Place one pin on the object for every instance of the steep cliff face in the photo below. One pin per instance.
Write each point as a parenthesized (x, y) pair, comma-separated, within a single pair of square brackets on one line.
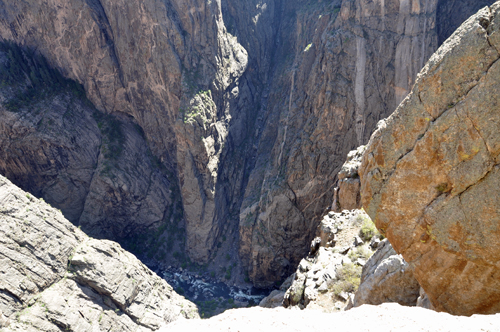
[(96, 168), (430, 174), (343, 66), (153, 61), (245, 111)]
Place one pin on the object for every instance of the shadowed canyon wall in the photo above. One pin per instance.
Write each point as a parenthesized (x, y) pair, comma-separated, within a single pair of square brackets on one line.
[(235, 115)]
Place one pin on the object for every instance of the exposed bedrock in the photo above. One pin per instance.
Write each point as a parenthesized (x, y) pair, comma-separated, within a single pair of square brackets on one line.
[(54, 277), (430, 175), (343, 66), (169, 66), (245, 112)]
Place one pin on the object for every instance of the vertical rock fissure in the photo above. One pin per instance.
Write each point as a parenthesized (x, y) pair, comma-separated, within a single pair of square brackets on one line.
[(287, 117), (100, 17), (359, 88)]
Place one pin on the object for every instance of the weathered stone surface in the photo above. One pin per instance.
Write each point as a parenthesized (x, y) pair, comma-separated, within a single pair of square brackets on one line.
[(386, 277), (174, 69), (326, 279), (273, 300), (349, 195), (386, 317), (55, 277), (430, 175), (58, 148)]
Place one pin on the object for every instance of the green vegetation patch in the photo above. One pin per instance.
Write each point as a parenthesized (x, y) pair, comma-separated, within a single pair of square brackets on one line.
[(349, 276), (368, 229), (360, 252)]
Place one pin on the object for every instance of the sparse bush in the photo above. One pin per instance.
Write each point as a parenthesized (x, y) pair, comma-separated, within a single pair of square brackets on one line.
[(349, 276), (360, 252), (368, 229)]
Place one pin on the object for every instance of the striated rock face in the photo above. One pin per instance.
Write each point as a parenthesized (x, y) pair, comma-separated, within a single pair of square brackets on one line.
[(173, 68), (347, 65), (96, 168), (386, 277), (56, 150), (55, 277), (430, 174)]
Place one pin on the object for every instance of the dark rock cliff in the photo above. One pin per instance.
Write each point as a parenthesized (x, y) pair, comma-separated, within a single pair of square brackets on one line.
[(235, 115)]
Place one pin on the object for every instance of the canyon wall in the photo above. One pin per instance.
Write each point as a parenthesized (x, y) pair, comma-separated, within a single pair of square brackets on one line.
[(235, 115), (342, 66), (168, 67)]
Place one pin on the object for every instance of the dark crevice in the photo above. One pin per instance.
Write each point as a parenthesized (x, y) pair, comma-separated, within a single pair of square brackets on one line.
[(11, 295), (100, 17)]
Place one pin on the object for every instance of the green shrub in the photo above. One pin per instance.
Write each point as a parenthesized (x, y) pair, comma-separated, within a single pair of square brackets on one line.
[(360, 252), (368, 229), (349, 276)]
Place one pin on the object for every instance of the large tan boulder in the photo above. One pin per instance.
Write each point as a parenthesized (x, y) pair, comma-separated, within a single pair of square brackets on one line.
[(430, 176)]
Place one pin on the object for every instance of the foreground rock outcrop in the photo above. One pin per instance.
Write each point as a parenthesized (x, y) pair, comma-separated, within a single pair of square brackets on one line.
[(55, 277), (386, 277), (430, 175), (386, 317)]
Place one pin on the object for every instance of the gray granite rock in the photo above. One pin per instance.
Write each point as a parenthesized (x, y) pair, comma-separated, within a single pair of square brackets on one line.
[(56, 277)]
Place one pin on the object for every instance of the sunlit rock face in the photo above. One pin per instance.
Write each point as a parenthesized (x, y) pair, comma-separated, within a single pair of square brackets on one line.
[(430, 175), (53, 275)]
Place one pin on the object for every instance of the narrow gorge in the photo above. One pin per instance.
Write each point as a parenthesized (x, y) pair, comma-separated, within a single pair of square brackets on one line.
[(207, 134)]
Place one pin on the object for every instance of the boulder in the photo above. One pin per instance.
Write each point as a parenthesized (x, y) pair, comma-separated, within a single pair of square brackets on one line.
[(273, 300), (430, 175), (386, 277)]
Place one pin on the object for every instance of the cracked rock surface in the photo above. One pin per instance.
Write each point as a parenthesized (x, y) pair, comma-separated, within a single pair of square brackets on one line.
[(386, 277), (53, 277), (430, 177)]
